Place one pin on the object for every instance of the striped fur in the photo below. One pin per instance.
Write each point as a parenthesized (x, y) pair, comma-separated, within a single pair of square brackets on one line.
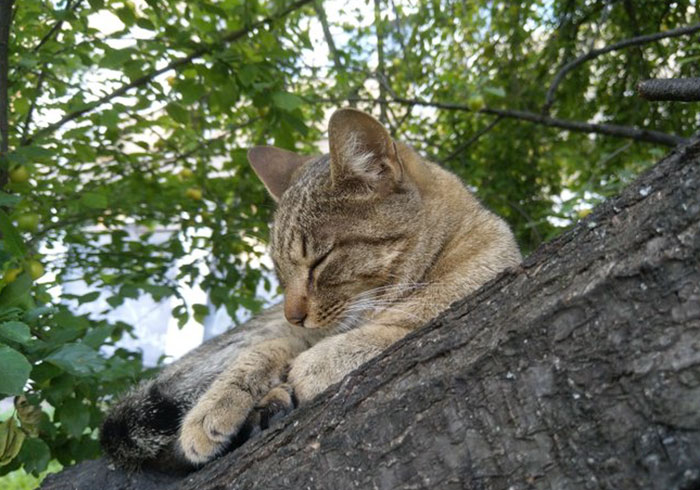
[(369, 242)]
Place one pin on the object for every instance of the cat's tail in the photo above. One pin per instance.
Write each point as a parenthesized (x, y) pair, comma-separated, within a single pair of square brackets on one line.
[(141, 430)]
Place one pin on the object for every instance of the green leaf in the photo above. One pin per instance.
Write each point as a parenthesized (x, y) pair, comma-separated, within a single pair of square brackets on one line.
[(21, 105), (60, 388), (180, 312), (74, 416), (96, 336), (44, 371), (34, 314), (146, 24), (93, 200), (286, 101), (247, 75), (15, 371), (10, 313), (13, 242), (35, 455), (15, 331), (115, 300), (17, 292), (89, 297), (190, 90), (200, 312), (110, 119), (8, 199), (126, 15), (158, 292), (13, 438), (77, 359), (85, 448), (115, 58), (177, 112), (495, 91), (31, 154), (135, 68)]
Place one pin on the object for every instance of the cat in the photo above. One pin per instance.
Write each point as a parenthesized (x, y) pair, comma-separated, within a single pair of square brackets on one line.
[(369, 243)]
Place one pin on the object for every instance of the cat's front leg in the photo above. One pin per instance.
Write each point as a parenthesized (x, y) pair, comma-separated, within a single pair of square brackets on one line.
[(330, 360), (222, 410), (324, 364)]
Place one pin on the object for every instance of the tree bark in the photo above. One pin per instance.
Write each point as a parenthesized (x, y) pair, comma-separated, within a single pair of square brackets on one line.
[(676, 89), (5, 24), (579, 370)]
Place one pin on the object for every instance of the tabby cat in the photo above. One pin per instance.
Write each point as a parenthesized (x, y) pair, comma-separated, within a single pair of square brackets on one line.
[(369, 243)]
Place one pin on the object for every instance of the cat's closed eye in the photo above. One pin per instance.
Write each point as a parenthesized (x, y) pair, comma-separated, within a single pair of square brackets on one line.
[(316, 263)]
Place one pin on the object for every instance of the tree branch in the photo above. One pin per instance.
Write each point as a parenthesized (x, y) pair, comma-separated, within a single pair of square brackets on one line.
[(527, 366), (677, 89), (380, 59), (56, 27), (594, 53), (321, 14), (149, 77), (618, 131), (5, 22)]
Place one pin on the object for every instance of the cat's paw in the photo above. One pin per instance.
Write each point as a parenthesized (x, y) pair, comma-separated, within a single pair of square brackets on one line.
[(278, 402), (213, 424), (313, 371)]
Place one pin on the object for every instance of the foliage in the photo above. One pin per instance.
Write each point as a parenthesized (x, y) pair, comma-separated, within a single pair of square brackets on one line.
[(99, 147), (20, 480)]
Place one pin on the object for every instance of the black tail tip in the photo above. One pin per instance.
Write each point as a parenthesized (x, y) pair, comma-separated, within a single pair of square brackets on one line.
[(141, 429)]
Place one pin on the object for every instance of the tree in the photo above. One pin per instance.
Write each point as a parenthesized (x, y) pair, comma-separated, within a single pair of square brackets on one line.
[(580, 368), (119, 114)]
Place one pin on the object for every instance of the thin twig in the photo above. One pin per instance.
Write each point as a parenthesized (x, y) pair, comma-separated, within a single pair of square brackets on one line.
[(677, 89), (532, 224), (32, 107), (628, 132), (594, 53), (385, 87), (57, 26), (472, 139), (407, 60), (380, 59), (149, 77), (207, 142), (321, 14), (602, 163)]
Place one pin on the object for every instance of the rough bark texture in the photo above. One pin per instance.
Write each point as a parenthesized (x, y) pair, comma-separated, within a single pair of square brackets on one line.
[(579, 370), (678, 89)]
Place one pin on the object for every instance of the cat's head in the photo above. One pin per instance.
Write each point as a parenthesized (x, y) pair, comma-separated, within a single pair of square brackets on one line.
[(345, 223)]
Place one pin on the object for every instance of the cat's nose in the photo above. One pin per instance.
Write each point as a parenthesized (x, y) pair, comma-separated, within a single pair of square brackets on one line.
[(297, 320), (295, 310)]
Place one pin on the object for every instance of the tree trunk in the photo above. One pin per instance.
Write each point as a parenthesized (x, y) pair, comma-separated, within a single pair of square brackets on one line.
[(579, 370)]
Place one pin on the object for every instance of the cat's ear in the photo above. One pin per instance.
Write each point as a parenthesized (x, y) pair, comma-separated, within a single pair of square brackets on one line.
[(361, 148), (275, 167)]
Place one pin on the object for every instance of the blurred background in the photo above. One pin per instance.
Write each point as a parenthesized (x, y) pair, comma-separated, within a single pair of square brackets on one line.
[(133, 228)]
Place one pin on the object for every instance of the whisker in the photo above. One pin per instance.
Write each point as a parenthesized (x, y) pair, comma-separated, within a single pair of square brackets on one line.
[(389, 297)]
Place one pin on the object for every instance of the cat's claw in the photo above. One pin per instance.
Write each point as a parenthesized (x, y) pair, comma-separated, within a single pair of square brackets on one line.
[(278, 402)]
